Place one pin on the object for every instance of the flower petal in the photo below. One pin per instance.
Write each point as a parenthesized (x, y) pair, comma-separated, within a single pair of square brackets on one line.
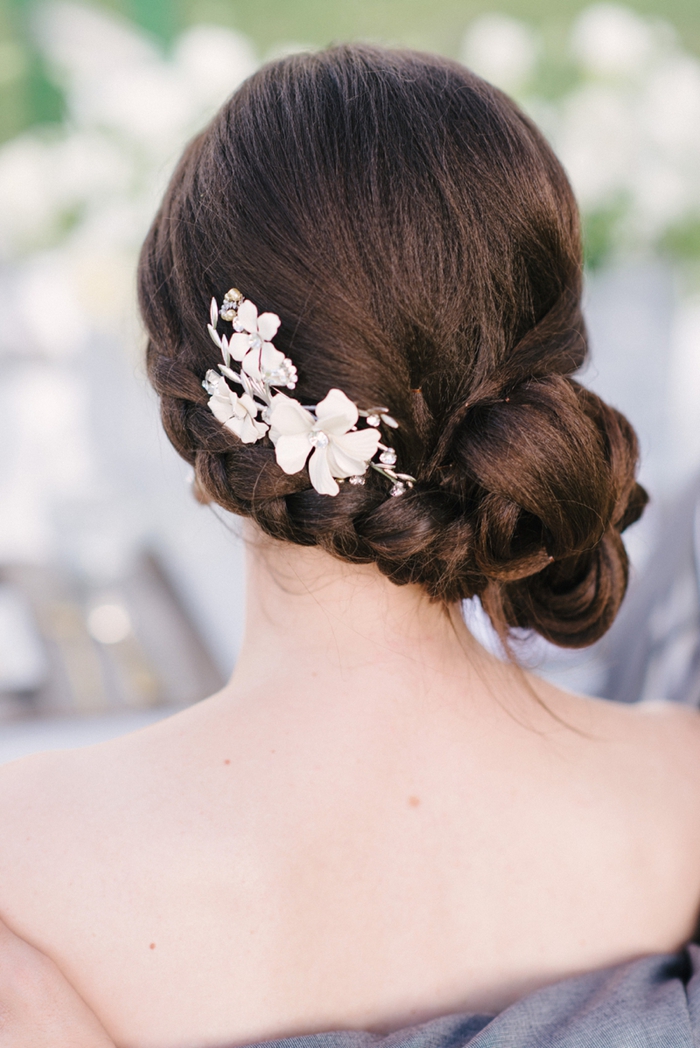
[(221, 407), (360, 446), (270, 357), (262, 362), (247, 402), (239, 344), (247, 429), (342, 465), (288, 418), (292, 452), (233, 375), (214, 312), (234, 424), (249, 433), (247, 316), (268, 326), (335, 425), (336, 404), (320, 474), (251, 363), (214, 335)]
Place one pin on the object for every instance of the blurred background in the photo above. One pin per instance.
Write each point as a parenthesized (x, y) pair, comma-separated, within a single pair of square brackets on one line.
[(120, 597)]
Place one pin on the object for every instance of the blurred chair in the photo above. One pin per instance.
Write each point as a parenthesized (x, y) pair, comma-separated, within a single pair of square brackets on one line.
[(71, 648)]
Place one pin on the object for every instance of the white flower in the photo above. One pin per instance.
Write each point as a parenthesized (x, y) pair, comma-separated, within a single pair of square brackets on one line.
[(251, 341), (611, 40), (236, 413), (502, 49), (336, 449)]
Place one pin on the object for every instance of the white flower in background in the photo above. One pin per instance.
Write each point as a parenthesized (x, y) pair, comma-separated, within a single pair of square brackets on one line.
[(612, 40), (597, 139), (628, 131), (337, 449), (109, 69), (237, 413), (670, 108), (84, 42), (501, 49), (29, 206), (214, 61)]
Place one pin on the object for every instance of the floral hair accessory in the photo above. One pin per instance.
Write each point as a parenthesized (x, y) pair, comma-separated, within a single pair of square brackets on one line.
[(324, 434)]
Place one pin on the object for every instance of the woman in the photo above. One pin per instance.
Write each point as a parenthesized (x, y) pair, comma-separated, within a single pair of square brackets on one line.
[(375, 823)]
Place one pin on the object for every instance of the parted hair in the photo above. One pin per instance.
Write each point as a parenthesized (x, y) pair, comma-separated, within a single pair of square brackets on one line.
[(421, 244)]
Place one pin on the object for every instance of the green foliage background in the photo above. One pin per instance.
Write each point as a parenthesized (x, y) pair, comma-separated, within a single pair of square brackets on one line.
[(27, 96)]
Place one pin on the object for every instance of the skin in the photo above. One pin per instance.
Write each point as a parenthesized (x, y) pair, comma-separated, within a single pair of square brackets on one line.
[(374, 822), (38, 1006)]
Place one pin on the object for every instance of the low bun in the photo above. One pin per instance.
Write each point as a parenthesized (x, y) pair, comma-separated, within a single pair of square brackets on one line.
[(421, 245), (558, 480)]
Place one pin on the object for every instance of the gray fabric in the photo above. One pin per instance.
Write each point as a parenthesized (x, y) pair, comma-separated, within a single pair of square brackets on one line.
[(650, 1003)]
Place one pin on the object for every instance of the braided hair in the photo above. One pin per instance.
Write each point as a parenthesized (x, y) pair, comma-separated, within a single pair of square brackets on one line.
[(421, 244)]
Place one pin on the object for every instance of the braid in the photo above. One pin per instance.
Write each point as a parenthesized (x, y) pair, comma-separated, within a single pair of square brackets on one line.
[(420, 243)]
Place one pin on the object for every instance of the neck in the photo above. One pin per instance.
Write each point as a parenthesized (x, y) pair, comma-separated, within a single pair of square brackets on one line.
[(309, 613)]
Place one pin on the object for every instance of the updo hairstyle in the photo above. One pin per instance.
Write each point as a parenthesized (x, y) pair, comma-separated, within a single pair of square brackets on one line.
[(421, 244)]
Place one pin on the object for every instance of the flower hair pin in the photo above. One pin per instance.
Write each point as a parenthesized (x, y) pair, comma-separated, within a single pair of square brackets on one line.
[(324, 434)]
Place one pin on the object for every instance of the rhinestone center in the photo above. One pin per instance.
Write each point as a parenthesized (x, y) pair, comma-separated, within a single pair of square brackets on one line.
[(318, 439)]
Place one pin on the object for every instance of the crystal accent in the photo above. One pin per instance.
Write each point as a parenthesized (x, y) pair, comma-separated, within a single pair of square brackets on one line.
[(284, 375), (211, 382), (318, 439), (373, 420), (356, 480), (388, 457), (398, 488), (255, 342)]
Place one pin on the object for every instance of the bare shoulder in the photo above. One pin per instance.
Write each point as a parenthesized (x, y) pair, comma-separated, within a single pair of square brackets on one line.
[(667, 729), (30, 787), (60, 808), (652, 753), (670, 730), (34, 790), (646, 755), (40, 796), (57, 811)]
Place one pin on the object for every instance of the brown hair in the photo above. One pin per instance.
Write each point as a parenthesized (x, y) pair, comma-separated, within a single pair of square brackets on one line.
[(421, 244)]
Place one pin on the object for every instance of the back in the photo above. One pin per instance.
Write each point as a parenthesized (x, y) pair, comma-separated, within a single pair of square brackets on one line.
[(229, 875)]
